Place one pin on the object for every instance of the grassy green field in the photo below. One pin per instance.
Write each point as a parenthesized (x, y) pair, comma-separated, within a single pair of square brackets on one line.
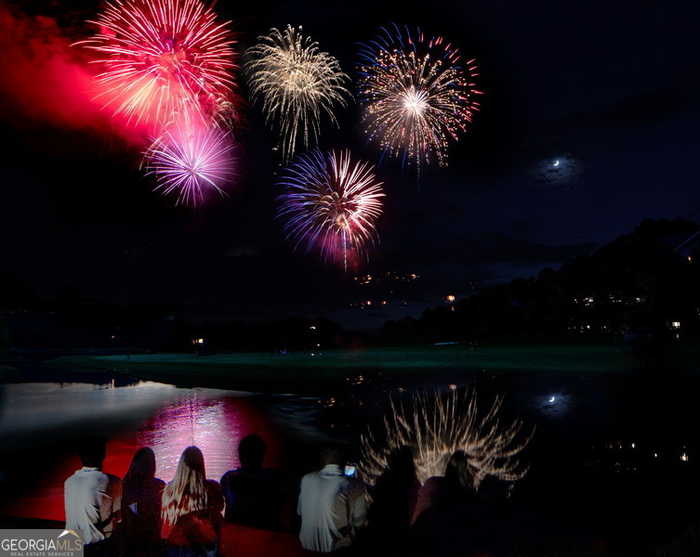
[(277, 371)]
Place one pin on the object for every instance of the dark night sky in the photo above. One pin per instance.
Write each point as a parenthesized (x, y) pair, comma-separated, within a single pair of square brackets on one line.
[(612, 85)]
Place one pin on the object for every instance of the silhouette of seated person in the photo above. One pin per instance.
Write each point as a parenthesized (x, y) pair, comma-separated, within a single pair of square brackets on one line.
[(455, 485), (93, 500), (191, 509), (394, 498), (331, 505), (142, 493), (451, 518), (253, 494)]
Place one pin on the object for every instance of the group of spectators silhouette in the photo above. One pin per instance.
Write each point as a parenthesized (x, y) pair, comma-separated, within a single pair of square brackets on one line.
[(142, 516)]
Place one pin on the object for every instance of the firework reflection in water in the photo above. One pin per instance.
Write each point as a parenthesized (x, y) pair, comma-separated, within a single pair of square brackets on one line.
[(435, 425)]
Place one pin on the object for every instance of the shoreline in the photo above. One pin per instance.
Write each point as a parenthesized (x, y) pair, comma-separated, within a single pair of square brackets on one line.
[(302, 373)]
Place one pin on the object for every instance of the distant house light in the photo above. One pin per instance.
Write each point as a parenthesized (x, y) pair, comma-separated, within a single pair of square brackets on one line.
[(675, 324), (450, 298)]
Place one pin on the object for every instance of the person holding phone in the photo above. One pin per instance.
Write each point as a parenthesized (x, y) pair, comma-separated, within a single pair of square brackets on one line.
[(332, 506)]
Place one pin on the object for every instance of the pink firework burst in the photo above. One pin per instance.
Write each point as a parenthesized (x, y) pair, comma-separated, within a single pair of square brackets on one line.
[(164, 59), (190, 163), (331, 203)]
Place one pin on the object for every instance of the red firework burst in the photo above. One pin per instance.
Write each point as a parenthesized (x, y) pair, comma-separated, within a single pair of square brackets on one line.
[(164, 59)]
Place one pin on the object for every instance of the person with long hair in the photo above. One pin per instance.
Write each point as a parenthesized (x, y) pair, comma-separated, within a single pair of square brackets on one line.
[(191, 509), (394, 498), (456, 484), (142, 493)]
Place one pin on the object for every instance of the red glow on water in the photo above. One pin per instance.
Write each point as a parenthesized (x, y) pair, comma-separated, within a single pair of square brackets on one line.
[(215, 425)]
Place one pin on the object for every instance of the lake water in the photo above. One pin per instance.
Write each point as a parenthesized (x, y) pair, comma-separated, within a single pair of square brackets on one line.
[(51, 419), (609, 451)]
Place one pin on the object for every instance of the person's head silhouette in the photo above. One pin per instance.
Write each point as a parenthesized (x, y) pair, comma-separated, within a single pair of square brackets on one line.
[(251, 452), (400, 463), (92, 453), (458, 474), (333, 454), (143, 465)]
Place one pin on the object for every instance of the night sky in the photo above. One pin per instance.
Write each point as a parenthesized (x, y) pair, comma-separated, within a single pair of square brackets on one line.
[(609, 87)]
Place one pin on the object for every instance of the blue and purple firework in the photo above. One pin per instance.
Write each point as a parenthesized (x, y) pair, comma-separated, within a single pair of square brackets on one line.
[(331, 204)]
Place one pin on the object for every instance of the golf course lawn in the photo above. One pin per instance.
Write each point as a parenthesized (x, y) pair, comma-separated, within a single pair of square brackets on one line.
[(303, 369)]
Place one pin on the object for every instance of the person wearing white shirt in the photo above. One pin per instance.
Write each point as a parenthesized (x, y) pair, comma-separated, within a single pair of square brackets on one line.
[(331, 505), (92, 501)]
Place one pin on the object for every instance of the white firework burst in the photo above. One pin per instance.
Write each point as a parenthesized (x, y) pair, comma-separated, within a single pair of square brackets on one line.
[(296, 83)]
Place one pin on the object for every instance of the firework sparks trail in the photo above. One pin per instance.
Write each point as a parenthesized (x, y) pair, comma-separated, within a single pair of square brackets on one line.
[(331, 204), (437, 425), (163, 59), (416, 95), (191, 162), (296, 83)]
